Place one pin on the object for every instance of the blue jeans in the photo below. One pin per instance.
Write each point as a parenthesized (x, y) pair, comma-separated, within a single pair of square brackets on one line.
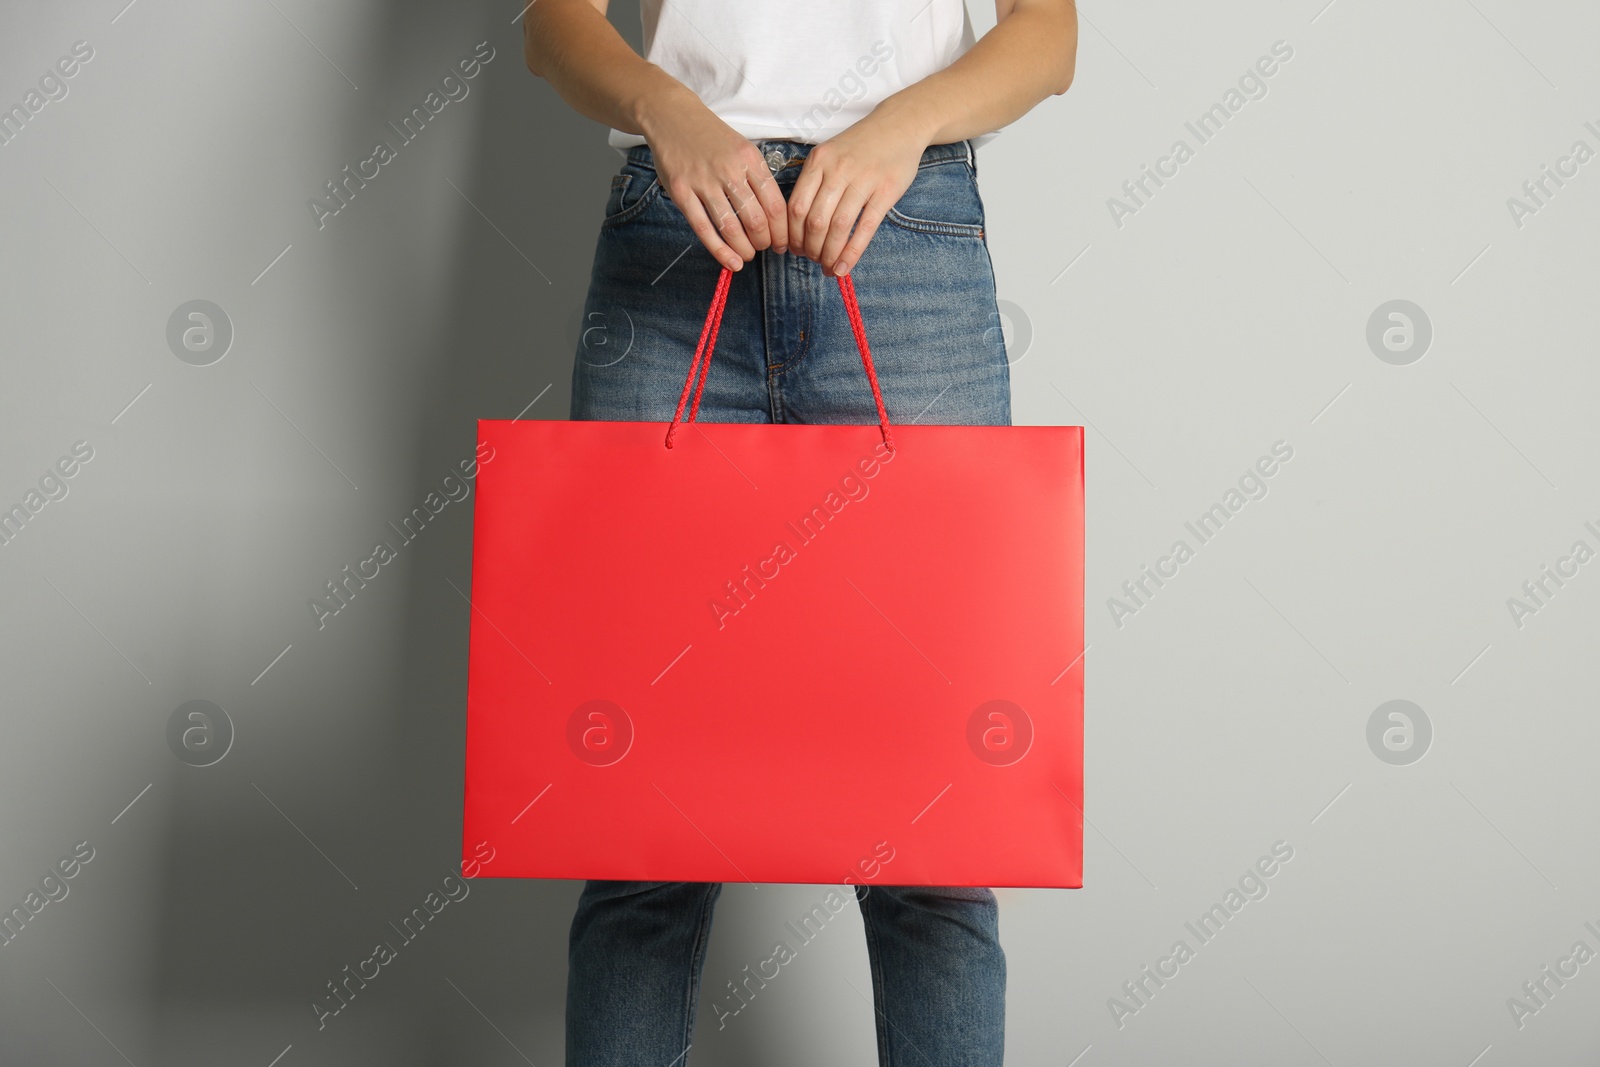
[(786, 354)]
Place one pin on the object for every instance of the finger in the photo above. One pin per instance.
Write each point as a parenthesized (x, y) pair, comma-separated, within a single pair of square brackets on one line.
[(728, 225), (700, 223), (820, 216), (800, 197), (776, 208), (872, 215), (844, 217), (751, 214)]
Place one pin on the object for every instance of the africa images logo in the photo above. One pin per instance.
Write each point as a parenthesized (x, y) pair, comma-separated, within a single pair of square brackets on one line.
[(599, 732), (452, 89)]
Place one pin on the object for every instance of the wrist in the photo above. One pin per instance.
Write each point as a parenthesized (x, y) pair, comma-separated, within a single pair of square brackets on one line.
[(906, 118), (657, 103)]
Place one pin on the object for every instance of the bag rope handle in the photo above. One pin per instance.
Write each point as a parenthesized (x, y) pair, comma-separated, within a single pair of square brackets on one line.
[(700, 366)]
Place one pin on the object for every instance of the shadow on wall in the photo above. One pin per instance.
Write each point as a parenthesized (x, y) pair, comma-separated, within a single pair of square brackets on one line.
[(254, 928)]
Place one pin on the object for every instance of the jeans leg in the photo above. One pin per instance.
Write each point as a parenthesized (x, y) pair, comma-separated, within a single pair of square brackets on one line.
[(938, 975), (633, 977)]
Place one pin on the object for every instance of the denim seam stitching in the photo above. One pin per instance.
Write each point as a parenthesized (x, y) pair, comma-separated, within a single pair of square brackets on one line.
[(947, 229), (775, 407), (874, 953), (807, 334), (696, 964)]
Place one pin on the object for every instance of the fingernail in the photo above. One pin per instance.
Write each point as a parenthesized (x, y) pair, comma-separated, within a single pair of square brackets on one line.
[(844, 268), (781, 249)]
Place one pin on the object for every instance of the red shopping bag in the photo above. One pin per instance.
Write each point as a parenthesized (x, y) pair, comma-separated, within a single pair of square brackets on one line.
[(778, 653)]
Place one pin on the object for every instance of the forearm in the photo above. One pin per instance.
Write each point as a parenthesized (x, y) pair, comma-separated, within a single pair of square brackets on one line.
[(570, 44), (1029, 55)]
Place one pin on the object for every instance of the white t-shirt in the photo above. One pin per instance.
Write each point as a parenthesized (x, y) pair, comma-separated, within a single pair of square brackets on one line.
[(779, 70)]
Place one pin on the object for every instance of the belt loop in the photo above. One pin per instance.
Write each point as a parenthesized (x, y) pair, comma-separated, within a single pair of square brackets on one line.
[(972, 159)]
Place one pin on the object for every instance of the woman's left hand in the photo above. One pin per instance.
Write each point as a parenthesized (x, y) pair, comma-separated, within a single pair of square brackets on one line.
[(852, 179)]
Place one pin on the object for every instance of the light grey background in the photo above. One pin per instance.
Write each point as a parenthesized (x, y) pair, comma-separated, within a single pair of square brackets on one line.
[(1230, 312)]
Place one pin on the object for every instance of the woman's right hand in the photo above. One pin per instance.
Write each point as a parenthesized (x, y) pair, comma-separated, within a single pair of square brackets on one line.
[(718, 179)]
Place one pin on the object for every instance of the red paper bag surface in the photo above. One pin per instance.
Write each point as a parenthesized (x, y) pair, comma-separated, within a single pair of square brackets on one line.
[(778, 653)]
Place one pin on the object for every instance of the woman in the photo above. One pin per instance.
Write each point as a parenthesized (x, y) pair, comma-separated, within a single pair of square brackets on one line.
[(792, 144)]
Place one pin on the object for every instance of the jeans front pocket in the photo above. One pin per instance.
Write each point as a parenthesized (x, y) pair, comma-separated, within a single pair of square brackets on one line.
[(942, 199), (633, 190)]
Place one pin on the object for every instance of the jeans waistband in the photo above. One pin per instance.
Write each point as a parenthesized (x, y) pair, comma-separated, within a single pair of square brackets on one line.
[(781, 154)]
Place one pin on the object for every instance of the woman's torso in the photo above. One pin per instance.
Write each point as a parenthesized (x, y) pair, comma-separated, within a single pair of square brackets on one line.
[(776, 70)]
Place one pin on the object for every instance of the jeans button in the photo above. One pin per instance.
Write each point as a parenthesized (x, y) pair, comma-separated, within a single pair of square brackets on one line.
[(774, 160)]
